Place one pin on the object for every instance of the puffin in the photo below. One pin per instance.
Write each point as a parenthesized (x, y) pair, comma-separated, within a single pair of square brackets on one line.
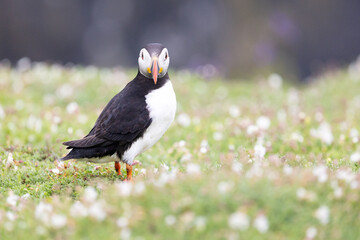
[(134, 119)]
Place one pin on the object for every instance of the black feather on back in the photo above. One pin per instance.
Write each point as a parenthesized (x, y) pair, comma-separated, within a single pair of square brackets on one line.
[(124, 119)]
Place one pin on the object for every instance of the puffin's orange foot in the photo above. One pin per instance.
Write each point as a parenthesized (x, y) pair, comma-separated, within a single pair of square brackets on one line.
[(118, 168), (129, 172)]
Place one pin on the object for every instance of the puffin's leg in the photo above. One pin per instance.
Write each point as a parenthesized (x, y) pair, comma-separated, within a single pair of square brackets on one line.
[(128, 172), (118, 168)]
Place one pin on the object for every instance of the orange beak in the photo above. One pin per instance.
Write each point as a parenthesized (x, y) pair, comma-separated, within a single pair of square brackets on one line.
[(155, 70)]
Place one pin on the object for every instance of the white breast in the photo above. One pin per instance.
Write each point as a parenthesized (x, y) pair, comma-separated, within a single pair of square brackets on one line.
[(161, 104)]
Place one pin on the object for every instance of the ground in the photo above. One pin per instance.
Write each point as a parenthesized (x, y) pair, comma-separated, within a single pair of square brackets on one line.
[(249, 159)]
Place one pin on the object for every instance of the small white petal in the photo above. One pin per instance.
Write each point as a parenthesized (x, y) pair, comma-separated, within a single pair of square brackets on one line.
[(263, 122), (239, 221), (58, 221), (170, 220), (323, 214), (311, 232), (355, 157), (122, 222)]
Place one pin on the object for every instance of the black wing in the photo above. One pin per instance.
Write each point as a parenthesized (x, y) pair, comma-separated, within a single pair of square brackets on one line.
[(124, 119)]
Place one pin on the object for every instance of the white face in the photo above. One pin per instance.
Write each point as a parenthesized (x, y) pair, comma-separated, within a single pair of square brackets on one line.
[(146, 63)]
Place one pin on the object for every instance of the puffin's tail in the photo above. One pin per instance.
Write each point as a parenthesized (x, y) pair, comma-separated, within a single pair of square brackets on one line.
[(89, 147)]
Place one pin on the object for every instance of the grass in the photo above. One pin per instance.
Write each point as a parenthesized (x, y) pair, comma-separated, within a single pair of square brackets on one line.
[(258, 159)]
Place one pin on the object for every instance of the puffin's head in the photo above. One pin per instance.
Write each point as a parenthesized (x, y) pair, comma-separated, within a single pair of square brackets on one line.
[(154, 61)]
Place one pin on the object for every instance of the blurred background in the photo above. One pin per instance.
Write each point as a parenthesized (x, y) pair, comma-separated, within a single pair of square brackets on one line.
[(237, 39)]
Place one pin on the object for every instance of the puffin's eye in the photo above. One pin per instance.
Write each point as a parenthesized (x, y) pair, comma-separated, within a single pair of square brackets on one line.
[(166, 55), (142, 56)]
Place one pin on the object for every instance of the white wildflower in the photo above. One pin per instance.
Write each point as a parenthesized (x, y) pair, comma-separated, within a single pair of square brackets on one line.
[(43, 212), (124, 188), (275, 81), (259, 151), (170, 220), (9, 226), (164, 166), (203, 150), (96, 211), (186, 157), (204, 143), (239, 221), (236, 167), (225, 186), (323, 133), (166, 177), (354, 184), (12, 199), (122, 222), (65, 91), (281, 115), (72, 108), (302, 116), (354, 133), (293, 97), (338, 192), (204, 146), (139, 188), (2, 113), (296, 136), (56, 120), (193, 168), (41, 230), (23, 64), (234, 111), (200, 223), (252, 129), (181, 143), (261, 223), (323, 214), (311, 233), (256, 170), (184, 120), (345, 175), (10, 160), (26, 196), (263, 122), (288, 170), (34, 123), (218, 136), (78, 210), (55, 170), (61, 164), (11, 216), (82, 118), (125, 233), (355, 157), (90, 194), (321, 173), (58, 220), (301, 193)]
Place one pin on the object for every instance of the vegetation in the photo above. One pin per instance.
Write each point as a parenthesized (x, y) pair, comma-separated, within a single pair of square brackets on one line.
[(243, 160)]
